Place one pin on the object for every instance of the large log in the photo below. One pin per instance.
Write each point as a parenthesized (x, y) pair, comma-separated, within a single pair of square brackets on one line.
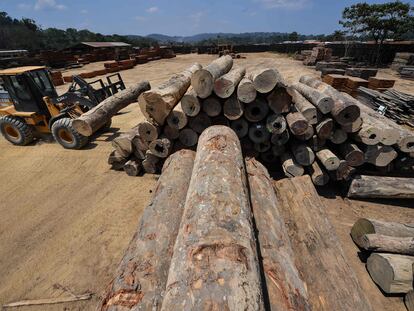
[(276, 124), (256, 111), (381, 187), (157, 103), (240, 127), (94, 119), (147, 131), (225, 85), (387, 244), (303, 154), (190, 103), (353, 127), (307, 135), (265, 79), (338, 136), (141, 277), (297, 123), (246, 92), (304, 106), (364, 226), (177, 119), (352, 154), (202, 80), (170, 132), (379, 155), (233, 108), (318, 249), (392, 272), (323, 102), (328, 159), (188, 137), (212, 106), (285, 288), (214, 256), (200, 122), (279, 100), (290, 167)]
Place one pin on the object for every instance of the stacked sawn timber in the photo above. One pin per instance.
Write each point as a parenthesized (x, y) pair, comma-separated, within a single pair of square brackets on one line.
[(391, 262), (217, 239)]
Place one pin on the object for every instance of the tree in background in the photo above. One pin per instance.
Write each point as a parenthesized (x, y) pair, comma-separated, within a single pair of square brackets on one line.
[(294, 36), (379, 21)]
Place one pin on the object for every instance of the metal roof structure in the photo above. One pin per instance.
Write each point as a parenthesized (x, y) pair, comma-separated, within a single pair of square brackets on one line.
[(106, 44)]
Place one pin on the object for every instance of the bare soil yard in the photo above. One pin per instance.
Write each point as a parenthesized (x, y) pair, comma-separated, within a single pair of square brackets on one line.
[(66, 219)]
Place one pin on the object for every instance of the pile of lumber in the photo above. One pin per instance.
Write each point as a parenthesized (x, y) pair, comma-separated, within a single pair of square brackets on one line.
[(318, 53), (337, 81), (395, 105), (406, 72), (380, 84), (391, 260), (402, 60), (305, 128), (230, 239), (353, 83), (303, 55), (363, 73), (350, 84)]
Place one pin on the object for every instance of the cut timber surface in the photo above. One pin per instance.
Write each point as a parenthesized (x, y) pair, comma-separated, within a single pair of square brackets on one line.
[(324, 128), (381, 187), (323, 102), (203, 80), (161, 147), (225, 85), (330, 281), (190, 103), (200, 122), (265, 79), (304, 106), (379, 155), (328, 159), (285, 288), (147, 131), (188, 137), (276, 124), (246, 92), (141, 277), (279, 100), (392, 272), (240, 127), (297, 123), (290, 167), (94, 119), (352, 154), (365, 226), (177, 119), (338, 136), (157, 103), (233, 108), (303, 154), (319, 176), (212, 106), (214, 256)]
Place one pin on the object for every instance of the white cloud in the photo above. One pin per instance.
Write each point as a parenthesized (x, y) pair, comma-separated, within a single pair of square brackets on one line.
[(152, 9), (284, 4), (24, 6), (48, 4), (84, 11), (140, 18)]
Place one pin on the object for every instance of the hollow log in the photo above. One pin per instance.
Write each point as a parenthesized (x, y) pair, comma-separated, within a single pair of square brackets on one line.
[(151, 163), (215, 256), (279, 100), (258, 133), (381, 187), (225, 85), (352, 154), (240, 127), (190, 103), (157, 103), (211, 106), (409, 300), (233, 108), (286, 290), (353, 127), (280, 139), (318, 249), (133, 167), (147, 131), (368, 134), (246, 92), (203, 79), (304, 106), (276, 124), (290, 167), (141, 277), (256, 111), (392, 272), (161, 147), (297, 123), (387, 244), (323, 102), (177, 119), (324, 128), (379, 155), (343, 172), (94, 119), (188, 137), (265, 79), (338, 136), (318, 175), (200, 122), (303, 154), (328, 159)]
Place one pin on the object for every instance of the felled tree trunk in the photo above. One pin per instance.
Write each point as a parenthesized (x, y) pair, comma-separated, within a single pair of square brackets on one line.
[(225, 85), (157, 104), (323, 102), (285, 288), (215, 253), (265, 79), (94, 119), (364, 226), (141, 277), (389, 244), (317, 249), (246, 92), (304, 106)]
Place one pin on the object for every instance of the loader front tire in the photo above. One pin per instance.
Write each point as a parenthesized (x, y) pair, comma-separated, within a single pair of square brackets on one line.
[(66, 135), (16, 130)]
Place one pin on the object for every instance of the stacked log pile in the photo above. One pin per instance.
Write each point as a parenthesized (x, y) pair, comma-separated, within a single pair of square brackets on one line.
[(391, 260), (318, 53), (402, 60)]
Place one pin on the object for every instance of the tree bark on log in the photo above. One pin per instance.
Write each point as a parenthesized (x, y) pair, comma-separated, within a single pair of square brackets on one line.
[(147, 131), (246, 92), (188, 137), (409, 300), (211, 106), (233, 108), (141, 277), (285, 288), (393, 273), (303, 154), (352, 154), (177, 119), (297, 123), (256, 111), (276, 124), (381, 187), (157, 103), (215, 256), (328, 159), (290, 167), (203, 80), (190, 103), (324, 128), (323, 102), (133, 167), (387, 244), (317, 249), (279, 100), (240, 127), (319, 176), (94, 119), (225, 85), (265, 79), (200, 122), (304, 106), (364, 226)]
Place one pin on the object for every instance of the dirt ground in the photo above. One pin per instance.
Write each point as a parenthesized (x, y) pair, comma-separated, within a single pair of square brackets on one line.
[(66, 219)]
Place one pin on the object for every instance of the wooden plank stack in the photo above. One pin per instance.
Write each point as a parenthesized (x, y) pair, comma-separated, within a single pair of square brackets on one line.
[(352, 84), (380, 84), (391, 262), (305, 128), (318, 53), (363, 73), (337, 81)]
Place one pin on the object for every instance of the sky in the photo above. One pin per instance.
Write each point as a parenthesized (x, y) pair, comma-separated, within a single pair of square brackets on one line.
[(184, 17)]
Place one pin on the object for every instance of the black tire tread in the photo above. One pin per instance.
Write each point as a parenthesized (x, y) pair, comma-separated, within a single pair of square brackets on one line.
[(25, 130), (81, 140)]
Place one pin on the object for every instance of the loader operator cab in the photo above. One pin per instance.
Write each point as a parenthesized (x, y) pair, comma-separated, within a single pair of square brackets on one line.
[(34, 106)]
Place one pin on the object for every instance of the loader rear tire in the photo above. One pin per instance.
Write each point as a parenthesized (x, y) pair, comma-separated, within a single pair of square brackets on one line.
[(16, 130), (66, 135)]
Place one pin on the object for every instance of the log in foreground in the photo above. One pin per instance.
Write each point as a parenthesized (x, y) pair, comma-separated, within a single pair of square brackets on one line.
[(142, 274), (285, 288), (317, 249), (364, 226), (392, 272), (190, 104), (157, 104), (381, 187), (388, 244), (265, 79), (215, 252), (319, 176), (94, 119), (225, 85), (246, 92), (304, 106), (203, 80)]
